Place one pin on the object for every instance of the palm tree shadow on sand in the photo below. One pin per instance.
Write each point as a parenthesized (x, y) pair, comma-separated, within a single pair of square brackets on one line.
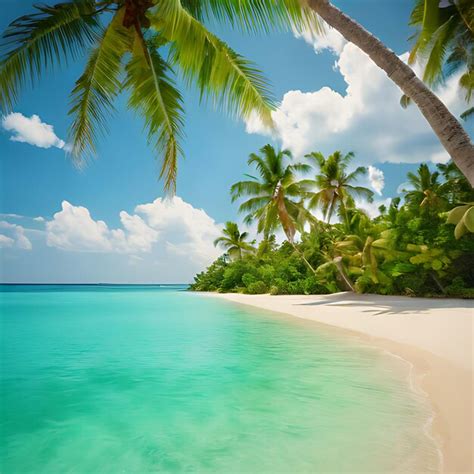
[(381, 304)]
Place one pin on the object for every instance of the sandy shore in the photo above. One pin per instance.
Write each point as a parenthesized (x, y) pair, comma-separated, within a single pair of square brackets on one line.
[(435, 335)]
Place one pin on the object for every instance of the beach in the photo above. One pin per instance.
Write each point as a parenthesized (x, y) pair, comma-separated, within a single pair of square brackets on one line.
[(435, 336)]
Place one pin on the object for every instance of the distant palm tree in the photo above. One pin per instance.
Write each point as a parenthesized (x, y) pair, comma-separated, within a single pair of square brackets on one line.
[(333, 185), (127, 51), (233, 241), (275, 196), (426, 190), (456, 187), (444, 41)]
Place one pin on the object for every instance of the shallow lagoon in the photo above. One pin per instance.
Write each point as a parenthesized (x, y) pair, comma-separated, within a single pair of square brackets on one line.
[(140, 379)]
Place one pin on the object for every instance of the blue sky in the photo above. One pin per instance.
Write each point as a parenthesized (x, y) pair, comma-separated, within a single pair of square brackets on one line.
[(35, 181)]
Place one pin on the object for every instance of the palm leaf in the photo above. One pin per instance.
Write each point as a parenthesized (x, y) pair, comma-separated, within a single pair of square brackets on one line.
[(438, 48), (35, 42), (97, 87), (153, 94), (229, 80), (245, 188), (256, 15), (426, 15)]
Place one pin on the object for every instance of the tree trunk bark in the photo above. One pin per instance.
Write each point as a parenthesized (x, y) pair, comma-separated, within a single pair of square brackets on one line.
[(438, 283), (346, 280), (298, 251), (449, 131)]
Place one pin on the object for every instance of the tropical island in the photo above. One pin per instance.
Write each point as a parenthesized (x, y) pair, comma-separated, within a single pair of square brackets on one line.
[(329, 327), (422, 246)]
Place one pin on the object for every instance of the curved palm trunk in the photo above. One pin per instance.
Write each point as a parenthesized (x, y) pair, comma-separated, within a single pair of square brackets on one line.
[(342, 273), (288, 226), (301, 254), (449, 131)]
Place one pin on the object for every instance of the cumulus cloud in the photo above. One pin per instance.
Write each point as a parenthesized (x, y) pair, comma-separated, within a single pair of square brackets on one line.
[(372, 208), (171, 224), (376, 179), (185, 229), (366, 118), (331, 39), (6, 241), (73, 228), (13, 235), (31, 130)]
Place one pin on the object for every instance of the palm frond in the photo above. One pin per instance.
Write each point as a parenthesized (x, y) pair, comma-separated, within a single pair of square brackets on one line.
[(256, 15), (358, 172), (222, 75), (253, 204), (245, 188), (438, 48), (153, 94), (94, 92), (37, 41), (426, 16), (466, 81), (467, 113)]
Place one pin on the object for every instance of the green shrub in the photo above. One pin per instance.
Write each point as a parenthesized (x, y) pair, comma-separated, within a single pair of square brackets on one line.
[(257, 288), (248, 279)]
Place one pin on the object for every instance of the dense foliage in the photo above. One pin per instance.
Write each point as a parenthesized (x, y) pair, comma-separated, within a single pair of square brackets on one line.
[(139, 46), (409, 249)]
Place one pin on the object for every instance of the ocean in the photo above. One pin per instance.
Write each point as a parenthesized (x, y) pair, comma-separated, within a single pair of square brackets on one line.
[(108, 379)]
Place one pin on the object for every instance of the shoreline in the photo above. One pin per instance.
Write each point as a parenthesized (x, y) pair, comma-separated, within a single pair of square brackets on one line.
[(434, 337)]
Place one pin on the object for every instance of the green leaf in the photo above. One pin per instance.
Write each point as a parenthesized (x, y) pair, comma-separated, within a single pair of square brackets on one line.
[(437, 264), (460, 230), (468, 219), (456, 214), (229, 80), (257, 15), (37, 41), (153, 95), (405, 101), (92, 97)]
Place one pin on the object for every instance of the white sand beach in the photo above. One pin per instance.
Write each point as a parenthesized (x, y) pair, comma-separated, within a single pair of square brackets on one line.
[(435, 335)]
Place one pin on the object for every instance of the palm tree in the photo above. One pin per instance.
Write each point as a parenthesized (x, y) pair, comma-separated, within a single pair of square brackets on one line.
[(445, 42), (449, 131), (126, 41), (233, 241), (333, 260), (333, 184), (456, 187), (427, 191), (275, 196)]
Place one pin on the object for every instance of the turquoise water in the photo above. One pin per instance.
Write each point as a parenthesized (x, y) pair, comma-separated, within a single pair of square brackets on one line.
[(146, 379)]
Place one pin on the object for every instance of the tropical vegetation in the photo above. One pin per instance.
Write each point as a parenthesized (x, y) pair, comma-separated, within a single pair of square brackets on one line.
[(138, 45), (444, 43), (421, 243), (233, 241)]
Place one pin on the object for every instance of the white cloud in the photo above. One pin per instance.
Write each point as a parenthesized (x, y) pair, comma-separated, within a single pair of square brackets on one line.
[(31, 130), (38, 219), (186, 231), (372, 208), (367, 118), (331, 40), (16, 236), (6, 241), (171, 224), (73, 228), (376, 178)]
